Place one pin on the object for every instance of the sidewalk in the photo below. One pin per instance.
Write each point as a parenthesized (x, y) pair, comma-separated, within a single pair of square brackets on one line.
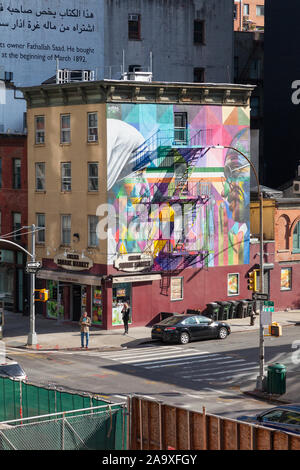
[(53, 334)]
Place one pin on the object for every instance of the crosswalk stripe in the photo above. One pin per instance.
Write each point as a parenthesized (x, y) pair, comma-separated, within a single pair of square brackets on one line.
[(220, 373), (132, 360), (140, 353), (183, 363)]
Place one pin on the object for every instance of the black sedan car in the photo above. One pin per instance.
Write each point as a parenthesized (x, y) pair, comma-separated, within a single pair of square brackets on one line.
[(185, 328), (283, 418)]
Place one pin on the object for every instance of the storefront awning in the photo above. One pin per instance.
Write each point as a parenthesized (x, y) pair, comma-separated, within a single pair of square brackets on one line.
[(136, 278), (66, 277)]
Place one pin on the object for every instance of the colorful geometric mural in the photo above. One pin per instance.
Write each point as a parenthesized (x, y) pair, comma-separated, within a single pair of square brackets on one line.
[(176, 193)]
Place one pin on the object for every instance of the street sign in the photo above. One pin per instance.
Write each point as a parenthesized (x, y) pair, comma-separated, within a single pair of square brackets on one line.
[(33, 266), (268, 306), (260, 296)]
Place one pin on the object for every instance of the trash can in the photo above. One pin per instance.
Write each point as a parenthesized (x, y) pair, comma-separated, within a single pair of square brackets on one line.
[(276, 379), (242, 309), (233, 308), (224, 310), (213, 309)]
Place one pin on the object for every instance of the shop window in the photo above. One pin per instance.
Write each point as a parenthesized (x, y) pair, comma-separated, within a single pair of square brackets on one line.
[(92, 229), (40, 176), (92, 127), (177, 288), (39, 124), (199, 32), (296, 239), (93, 177), (97, 306), (134, 27), (40, 222), (65, 128), (65, 229), (286, 279), (121, 294), (66, 177), (16, 173)]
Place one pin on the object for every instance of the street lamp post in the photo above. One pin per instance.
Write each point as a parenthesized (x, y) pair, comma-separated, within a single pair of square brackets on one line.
[(261, 376)]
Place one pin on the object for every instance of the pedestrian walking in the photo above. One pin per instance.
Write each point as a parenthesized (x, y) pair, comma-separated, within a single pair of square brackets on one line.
[(125, 317), (85, 323)]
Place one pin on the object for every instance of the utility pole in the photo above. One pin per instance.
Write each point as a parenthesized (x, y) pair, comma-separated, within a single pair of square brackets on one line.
[(32, 337)]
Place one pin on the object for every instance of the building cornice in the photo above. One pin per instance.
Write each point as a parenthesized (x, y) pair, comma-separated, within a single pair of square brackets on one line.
[(107, 91)]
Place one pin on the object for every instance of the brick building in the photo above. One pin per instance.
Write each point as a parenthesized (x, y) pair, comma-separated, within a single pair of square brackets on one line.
[(13, 215), (249, 15)]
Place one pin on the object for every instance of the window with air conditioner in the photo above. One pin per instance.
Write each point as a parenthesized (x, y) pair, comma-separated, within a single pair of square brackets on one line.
[(92, 127), (134, 27)]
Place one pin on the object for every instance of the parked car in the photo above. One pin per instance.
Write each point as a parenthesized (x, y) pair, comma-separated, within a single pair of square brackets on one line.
[(186, 328), (12, 370), (283, 418)]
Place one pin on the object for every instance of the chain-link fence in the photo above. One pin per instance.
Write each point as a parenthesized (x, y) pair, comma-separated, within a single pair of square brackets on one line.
[(97, 428)]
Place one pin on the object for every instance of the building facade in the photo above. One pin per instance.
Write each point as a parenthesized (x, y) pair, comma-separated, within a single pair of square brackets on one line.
[(139, 201), (249, 15), (13, 216)]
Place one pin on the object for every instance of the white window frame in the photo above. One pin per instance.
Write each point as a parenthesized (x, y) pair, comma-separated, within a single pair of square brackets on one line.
[(40, 176), (66, 177), (92, 179), (176, 299), (92, 130), (65, 132), (259, 9), (66, 225), (40, 234), (91, 235), (17, 225), (39, 133)]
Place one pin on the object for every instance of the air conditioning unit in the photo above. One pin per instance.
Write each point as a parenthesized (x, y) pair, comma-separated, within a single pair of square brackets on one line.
[(296, 187), (93, 138), (133, 17)]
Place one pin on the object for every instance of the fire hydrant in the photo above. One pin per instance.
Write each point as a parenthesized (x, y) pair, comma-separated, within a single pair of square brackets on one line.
[(252, 318)]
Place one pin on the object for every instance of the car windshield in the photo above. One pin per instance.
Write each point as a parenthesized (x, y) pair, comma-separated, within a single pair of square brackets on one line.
[(171, 320), (11, 370)]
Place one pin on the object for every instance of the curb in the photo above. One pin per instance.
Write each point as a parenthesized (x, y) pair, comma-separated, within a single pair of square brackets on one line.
[(266, 396)]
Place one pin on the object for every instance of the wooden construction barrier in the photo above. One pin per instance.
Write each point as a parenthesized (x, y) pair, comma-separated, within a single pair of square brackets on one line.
[(158, 426)]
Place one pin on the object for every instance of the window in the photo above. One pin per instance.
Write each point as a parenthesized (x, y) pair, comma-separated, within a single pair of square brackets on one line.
[(199, 75), (93, 176), (236, 67), (246, 9), (0, 172), (177, 288), (255, 106), (92, 127), (65, 229), (40, 222), (16, 173), (92, 230), (286, 279), (180, 127), (65, 128), (39, 129), (296, 238), (235, 12), (274, 415), (40, 176), (260, 10), (199, 27), (255, 69), (17, 225), (134, 27), (190, 321), (66, 178)]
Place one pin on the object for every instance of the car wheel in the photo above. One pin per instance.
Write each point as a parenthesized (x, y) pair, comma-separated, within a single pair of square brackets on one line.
[(222, 333), (184, 338)]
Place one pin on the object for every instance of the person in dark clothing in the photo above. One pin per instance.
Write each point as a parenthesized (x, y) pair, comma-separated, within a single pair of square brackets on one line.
[(125, 316)]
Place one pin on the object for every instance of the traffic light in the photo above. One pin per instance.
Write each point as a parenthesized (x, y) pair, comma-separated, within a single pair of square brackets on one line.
[(252, 280), (41, 295)]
